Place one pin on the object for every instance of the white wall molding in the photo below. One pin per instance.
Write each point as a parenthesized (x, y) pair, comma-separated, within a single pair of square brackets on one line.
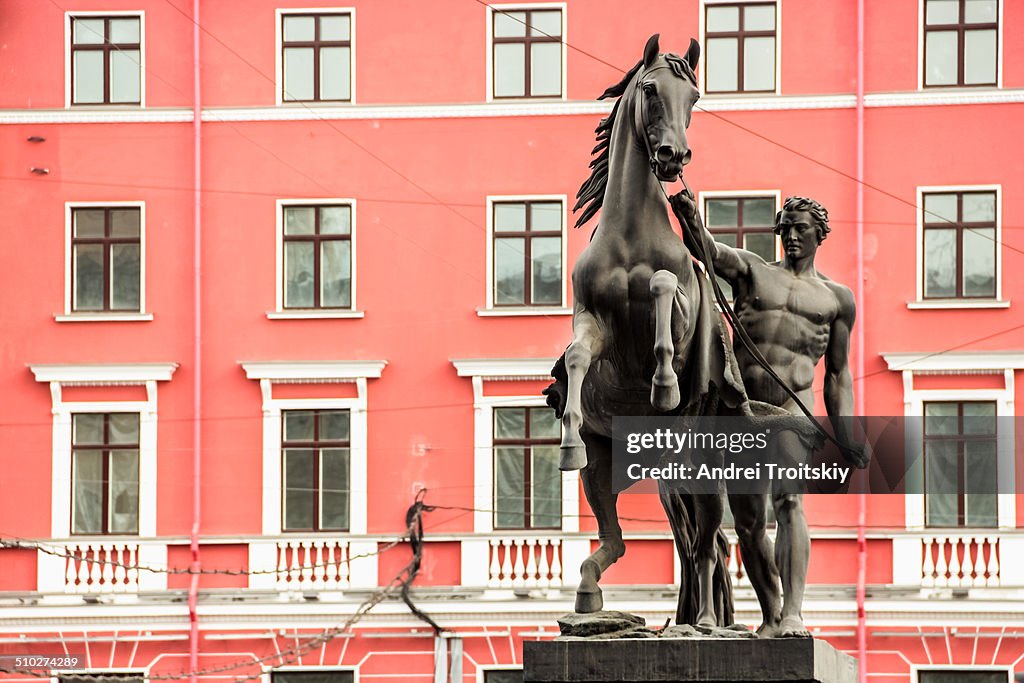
[(313, 372), (108, 114), (504, 368), (104, 374), (954, 361)]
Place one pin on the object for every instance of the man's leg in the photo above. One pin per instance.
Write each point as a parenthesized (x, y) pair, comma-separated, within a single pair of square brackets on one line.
[(749, 514), (792, 540)]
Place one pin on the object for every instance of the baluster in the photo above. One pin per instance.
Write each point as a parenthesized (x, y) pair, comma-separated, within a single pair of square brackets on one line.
[(494, 573), (95, 568), (330, 577), (108, 568), (543, 569), (993, 561), (506, 564), (530, 548), (344, 569), (132, 575), (941, 565), (955, 578), (120, 571), (282, 566), (967, 566), (307, 562), (928, 568), (320, 555), (518, 569), (294, 564), (71, 575), (556, 563)]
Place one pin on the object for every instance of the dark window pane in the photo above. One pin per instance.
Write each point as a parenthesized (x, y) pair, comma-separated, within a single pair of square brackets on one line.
[(504, 676), (299, 220), (546, 253), (939, 263), (941, 419), (334, 488), (509, 423), (124, 222), (544, 424), (335, 274), (761, 243), (89, 222), (509, 488), (87, 475), (979, 277), (123, 428), (126, 277), (961, 676), (334, 425), (546, 488), (509, 266), (88, 265), (979, 418), (124, 491), (510, 217), (87, 429), (940, 208), (979, 207), (298, 274), (298, 425), (335, 220), (758, 212), (298, 488), (545, 216), (312, 677), (722, 212)]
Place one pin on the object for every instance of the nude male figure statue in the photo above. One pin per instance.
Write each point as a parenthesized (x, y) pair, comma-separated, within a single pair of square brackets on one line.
[(795, 316)]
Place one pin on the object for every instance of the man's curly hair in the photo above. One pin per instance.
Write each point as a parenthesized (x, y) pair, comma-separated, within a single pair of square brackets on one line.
[(818, 212)]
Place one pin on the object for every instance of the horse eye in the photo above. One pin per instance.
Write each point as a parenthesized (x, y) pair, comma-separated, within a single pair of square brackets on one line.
[(649, 88)]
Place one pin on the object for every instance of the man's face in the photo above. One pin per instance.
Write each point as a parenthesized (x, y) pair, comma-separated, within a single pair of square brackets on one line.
[(799, 234)]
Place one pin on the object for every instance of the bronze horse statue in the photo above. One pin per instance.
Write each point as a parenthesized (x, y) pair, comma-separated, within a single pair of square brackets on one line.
[(647, 340)]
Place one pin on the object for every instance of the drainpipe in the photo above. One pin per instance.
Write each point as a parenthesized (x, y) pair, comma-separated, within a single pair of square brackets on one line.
[(197, 391), (862, 501)]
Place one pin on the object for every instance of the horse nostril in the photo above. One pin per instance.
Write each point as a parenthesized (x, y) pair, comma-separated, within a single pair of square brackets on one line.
[(665, 154), (685, 159)]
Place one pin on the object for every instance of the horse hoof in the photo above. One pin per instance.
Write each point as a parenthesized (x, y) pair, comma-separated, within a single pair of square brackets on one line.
[(665, 398), (587, 603), (572, 458)]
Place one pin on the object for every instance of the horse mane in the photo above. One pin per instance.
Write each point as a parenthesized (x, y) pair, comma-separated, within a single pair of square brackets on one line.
[(590, 197)]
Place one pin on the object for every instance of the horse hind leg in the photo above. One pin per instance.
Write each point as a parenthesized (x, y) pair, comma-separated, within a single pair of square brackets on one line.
[(597, 484), (578, 357), (664, 384)]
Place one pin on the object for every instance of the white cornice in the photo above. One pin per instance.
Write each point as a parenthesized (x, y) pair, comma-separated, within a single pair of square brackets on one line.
[(951, 361), (406, 111), (339, 370), (104, 373), (932, 98), (775, 102), (96, 115), (504, 368)]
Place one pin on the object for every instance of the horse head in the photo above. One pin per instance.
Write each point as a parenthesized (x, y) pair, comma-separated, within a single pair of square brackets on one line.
[(664, 97)]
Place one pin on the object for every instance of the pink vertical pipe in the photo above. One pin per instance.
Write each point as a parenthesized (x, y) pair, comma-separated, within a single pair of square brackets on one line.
[(197, 390), (862, 502)]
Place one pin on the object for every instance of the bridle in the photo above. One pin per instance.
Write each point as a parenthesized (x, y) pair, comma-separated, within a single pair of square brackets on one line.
[(652, 160)]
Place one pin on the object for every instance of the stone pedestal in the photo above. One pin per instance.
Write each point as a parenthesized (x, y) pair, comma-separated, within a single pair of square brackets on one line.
[(686, 660)]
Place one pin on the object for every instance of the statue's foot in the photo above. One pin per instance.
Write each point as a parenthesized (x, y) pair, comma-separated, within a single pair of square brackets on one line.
[(665, 397), (793, 627), (706, 623), (769, 630), (587, 603), (572, 457)]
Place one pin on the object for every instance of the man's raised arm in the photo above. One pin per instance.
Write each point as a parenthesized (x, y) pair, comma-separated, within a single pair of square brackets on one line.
[(729, 262)]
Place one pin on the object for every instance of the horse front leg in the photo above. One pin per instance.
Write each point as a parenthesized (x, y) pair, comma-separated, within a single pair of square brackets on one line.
[(597, 484), (586, 343), (708, 509), (664, 384)]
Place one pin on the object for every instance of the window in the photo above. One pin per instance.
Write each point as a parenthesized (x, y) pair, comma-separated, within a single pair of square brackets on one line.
[(315, 465), (106, 60), (959, 234), (503, 676), (527, 481), (317, 255), (961, 42), (316, 57), (527, 253), (744, 222), (105, 473), (106, 259), (527, 52), (108, 677), (741, 41), (312, 677), (978, 675), (960, 463)]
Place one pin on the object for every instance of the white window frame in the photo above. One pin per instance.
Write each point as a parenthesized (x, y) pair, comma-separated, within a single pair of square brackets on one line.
[(496, 370), (71, 315), (703, 62), (282, 313), (482, 669), (490, 310), (703, 196), (958, 363), (139, 374), (916, 668), (920, 302), (921, 56), (279, 14), (268, 677), (563, 8), (68, 85), (270, 373)]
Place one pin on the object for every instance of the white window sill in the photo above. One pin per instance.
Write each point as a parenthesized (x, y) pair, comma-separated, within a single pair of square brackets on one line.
[(103, 317), (522, 311), (932, 304), (313, 315)]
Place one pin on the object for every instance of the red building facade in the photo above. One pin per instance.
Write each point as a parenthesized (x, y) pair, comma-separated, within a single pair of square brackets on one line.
[(243, 342)]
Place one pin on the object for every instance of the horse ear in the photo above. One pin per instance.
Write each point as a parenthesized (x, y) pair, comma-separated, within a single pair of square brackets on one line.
[(651, 51), (693, 54)]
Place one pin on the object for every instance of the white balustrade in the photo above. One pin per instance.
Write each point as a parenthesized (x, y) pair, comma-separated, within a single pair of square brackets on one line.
[(306, 564), (959, 560), (101, 567), (534, 562)]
